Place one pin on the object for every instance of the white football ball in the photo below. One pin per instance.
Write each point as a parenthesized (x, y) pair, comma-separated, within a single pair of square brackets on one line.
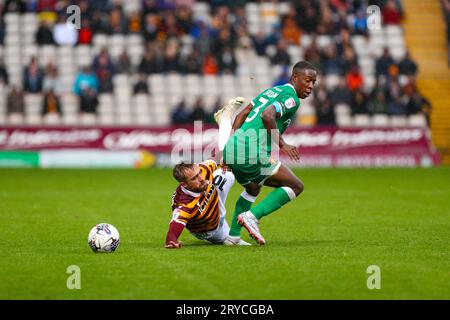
[(104, 237)]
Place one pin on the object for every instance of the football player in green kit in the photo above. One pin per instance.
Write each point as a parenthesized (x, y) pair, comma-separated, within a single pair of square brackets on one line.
[(248, 151)]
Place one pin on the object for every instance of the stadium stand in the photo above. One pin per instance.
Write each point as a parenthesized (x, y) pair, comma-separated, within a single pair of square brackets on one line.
[(141, 58)]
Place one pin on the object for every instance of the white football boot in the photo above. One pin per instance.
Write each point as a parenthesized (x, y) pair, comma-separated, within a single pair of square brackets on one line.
[(227, 110), (235, 241), (251, 223)]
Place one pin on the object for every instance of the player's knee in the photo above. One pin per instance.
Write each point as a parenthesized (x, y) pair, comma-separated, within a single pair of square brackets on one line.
[(298, 187), (253, 189)]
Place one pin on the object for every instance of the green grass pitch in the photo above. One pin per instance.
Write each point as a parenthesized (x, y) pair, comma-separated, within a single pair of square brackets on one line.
[(319, 246)]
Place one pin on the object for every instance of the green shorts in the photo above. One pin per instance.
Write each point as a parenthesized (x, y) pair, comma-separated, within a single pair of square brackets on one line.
[(257, 173)]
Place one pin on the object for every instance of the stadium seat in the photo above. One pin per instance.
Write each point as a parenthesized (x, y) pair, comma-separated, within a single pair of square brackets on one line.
[(33, 119), (70, 119), (342, 110), (417, 120), (361, 120), (399, 121), (331, 81), (88, 119), (15, 119), (106, 119), (344, 120), (380, 120), (51, 119)]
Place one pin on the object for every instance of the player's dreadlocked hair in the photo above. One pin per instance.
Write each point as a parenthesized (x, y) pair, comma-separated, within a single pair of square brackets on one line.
[(180, 169), (303, 65)]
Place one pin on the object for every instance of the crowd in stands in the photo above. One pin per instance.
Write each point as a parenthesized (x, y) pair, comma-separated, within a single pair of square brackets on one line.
[(162, 23)]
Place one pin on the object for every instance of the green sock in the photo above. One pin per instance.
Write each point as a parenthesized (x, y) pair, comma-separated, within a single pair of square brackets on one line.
[(274, 201), (244, 203)]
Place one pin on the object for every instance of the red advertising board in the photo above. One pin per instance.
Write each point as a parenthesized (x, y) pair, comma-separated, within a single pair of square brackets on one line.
[(317, 146)]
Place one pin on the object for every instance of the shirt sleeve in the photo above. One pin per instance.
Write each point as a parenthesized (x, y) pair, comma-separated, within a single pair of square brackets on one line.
[(180, 215), (285, 104), (211, 164)]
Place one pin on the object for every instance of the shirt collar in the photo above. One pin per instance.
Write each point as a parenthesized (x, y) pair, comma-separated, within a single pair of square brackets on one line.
[(190, 193), (288, 84)]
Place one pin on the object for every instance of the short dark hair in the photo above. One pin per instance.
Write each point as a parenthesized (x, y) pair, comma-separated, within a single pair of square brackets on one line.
[(180, 169), (303, 65)]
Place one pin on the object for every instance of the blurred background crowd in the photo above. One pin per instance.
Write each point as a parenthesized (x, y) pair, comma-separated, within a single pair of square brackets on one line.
[(214, 39)]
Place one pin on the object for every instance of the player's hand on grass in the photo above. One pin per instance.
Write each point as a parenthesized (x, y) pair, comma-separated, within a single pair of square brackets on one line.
[(291, 151), (173, 245)]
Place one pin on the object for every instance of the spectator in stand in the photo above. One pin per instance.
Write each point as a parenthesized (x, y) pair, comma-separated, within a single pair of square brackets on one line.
[(360, 23), (88, 101), (99, 24), (46, 5), (124, 63), (104, 69), (18, 6), (51, 104), (150, 27), (183, 15), (391, 13), (134, 23), (332, 64), (51, 80), (227, 61), (383, 63), (290, 31), (44, 35), (141, 86), (84, 80), (308, 15), (313, 53), (180, 115), (378, 104), (259, 41), (349, 59), (407, 66), (118, 20), (323, 106), (64, 34), (396, 107), (4, 75), (359, 102), (341, 94), (281, 56), (85, 34), (354, 78), (421, 104), (326, 25), (33, 77), (103, 61), (210, 65), (192, 63), (171, 58), (198, 111), (15, 101), (204, 42), (150, 64)]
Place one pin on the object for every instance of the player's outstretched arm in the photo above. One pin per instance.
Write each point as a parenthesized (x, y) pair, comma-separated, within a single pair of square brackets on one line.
[(240, 118), (175, 230)]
